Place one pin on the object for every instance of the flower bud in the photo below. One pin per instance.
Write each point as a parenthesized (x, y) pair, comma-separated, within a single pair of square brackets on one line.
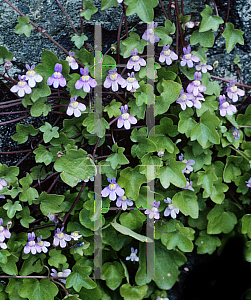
[(160, 153), (172, 6), (114, 49), (215, 64), (9, 223), (190, 24), (8, 65)]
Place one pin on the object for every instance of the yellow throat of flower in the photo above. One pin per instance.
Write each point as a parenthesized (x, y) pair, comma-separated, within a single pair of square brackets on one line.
[(61, 235), (167, 52), (113, 76), (234, 88), (125, 116), (21, 83), (112, 186), (85, 77), (188, 56), (135, 57), (31, 73), (123, 197), (74, 104)]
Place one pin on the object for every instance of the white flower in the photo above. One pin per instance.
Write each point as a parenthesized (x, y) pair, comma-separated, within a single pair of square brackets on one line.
[(75, 236), (171, 209), (133, 256)]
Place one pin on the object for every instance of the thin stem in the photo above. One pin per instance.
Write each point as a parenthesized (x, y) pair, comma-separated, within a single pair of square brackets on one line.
[(225, 21), (126, 27), (39, 227), (67, 17), (238, 151), (11, 101), (222, 79), (53, 183), (118, 39), (15, 120), (14, 112), (122, 99), (9, 78), (114, 120), (21, 160), (60, 284), (16, 152), (10, 105), (215, 8), (95, 148), (182, 7), (164, 11), (170, 10), (178, 20), (74, 204), (47, 178)]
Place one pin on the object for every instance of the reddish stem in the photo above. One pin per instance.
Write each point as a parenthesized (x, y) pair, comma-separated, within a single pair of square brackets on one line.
[(15, 120)]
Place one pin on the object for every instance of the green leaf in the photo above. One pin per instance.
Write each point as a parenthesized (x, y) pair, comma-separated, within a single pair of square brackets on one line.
[(207, 178), (237, 61), (22, 133), (133, 219), (10, 267), (213, 87), (232, 168), (187, 203), (79, 40), (131, 180), (56, 258), (246, 225), (209, 104), (12, 208), (169, 94), (205, 132), (186, 123), (32, 265), (232, 37), (172, 173), (40, 108), (220, 220), (209, 22), (50, 203), (207, 243), (129, 292), (38, 290), (13, 288), (201, 53), (118, 158), (96, 125), (164, 33), (142, 8), (23, 26), (132, 42), (4, 54), (49, 132), (144, 94), (41, 90), (112, 273), (219, 190), (25, 216), (88, 9), (9, 173), (245, 120), (107, 3), (113, 109), (28, 194), (79, 278), (42, 155), (205, 39), (126, 231), (4, 256)]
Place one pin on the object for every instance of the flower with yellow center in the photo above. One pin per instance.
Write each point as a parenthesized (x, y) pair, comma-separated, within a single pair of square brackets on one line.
[(75, 236), (188, 56)]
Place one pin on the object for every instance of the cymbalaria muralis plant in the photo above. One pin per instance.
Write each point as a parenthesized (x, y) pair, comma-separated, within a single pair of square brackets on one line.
[(140, 140)]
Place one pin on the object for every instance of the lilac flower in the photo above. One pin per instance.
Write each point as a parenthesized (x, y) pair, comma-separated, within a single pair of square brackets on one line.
[(2, 197), (119, 1), (85, 81), (196, 102), (135, 62), (225, 107), (75, 107), (125, 119), (189, 24), (188, 58), (112, 190), (22, 87), (171, 209), (124, 201), (4, 233), (8, 65), (57, 78), (72, 61), (43, 244), (195, 86), (236, 133), (203, 67), (32, 76), (64, 273), (154, 211), (189, 163), (131, 83), (31, 245), (167, 55), (185, 100), (53, 217), (113, 79), (75, 236), (3, 183), (233, 91), (248, 182), (149, 34), (188, 186), (133, 256), (3, 245), (61, 238)]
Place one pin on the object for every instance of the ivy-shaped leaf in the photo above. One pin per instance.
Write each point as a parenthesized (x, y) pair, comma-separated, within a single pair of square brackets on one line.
[(107, 3), (40, 108), (79, 278), (113, 109), (34, 289), (49, 132), (205, 39), (113, 273), (25, 216), (50, 203), (23, 132), (232, 37), (56, 258), (88, 9), (42, 155), (23, 26), (79, 40), (187, 203), (28, 194), (41, 90), (164, 32), (207, 243), (132, 42), (118, 158), (209, 22), (142, 8), (12, 208), (4, 54), (129, 292), (96, 125)]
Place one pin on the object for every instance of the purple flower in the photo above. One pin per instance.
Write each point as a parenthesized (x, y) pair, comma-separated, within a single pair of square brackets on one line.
[(43, 244), (32, 76), (236, 133), (248, 182), (75, 107), (188, 186), (189, 24), (189, 163), (125, 119), (85, 81), (3, 245), (196, 102), (135, 62), (64, 273), (8, 65), (154, 211), (167, 55), (133, 256), (195, 86), (233, 91), (22, 87), (131, 83), (185, 100), (113, 79), (203, 67), (57, 78), (225, 107), (188, 58), (3, 183), (160, 298), (75, 236), (124, 201), (112, 190), (53, 217), (61, 238), (4, 233), (149, 34), (72, 61), (171, 209), (32, 246)]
